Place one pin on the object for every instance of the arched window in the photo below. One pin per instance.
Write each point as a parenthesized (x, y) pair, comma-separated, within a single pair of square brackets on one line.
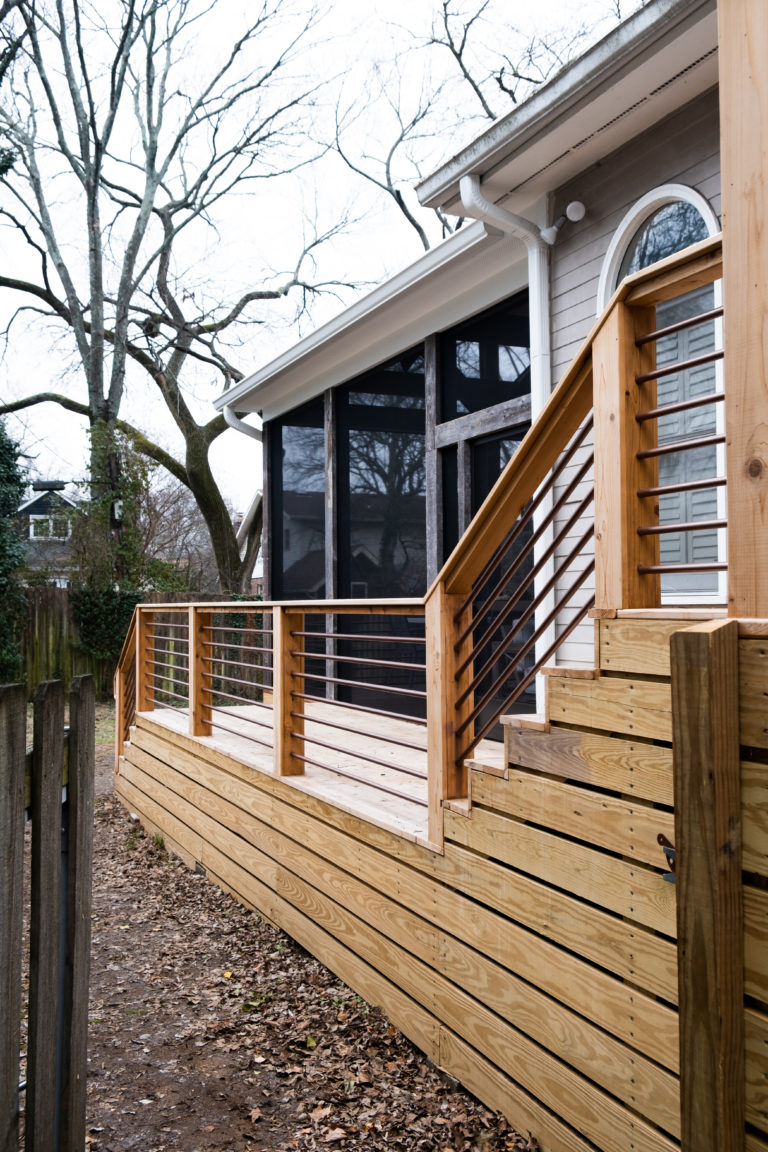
[(664, 221)]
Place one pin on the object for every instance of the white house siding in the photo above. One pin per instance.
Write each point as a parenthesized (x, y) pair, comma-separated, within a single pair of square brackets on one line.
[(683, 149)]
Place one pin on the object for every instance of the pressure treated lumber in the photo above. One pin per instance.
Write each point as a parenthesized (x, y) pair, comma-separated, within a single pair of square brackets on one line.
[(448, 774), (756, 943), (607, 822), (636, 646), (742, 36), (754, 817), (628, 766), (756, 1045), (628, 1075), (618, 437), (288, 678), (641, 1022), (753, 677), (200, 696), (705, 688), (614, 704)]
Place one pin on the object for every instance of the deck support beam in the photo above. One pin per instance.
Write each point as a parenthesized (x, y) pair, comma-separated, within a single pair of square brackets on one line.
[(743, 34)]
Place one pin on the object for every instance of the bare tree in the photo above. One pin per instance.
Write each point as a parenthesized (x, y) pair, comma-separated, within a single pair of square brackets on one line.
[(111, 122)]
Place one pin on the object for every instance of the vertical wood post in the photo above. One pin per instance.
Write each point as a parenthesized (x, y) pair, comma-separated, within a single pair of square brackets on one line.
[(616, 360), (44, 950), (13, 706), (288, 677), (705, 726), (80, 798), (743, 35), (200, 715), (144, 689), (447, 779)]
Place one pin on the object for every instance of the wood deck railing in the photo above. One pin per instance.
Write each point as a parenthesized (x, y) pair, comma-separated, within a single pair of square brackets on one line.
[(568, 525)]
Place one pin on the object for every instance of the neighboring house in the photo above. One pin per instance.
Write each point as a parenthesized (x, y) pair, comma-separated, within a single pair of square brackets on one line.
[(45, 524), (425, 387)]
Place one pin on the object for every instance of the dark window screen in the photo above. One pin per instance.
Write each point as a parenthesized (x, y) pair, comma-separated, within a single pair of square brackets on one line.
[(298, 503)]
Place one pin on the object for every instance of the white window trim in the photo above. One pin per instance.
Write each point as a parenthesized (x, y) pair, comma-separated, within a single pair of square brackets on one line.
[(640, 211)]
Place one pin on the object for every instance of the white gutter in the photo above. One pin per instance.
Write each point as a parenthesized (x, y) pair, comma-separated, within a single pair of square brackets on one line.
[(474, 204), (240, 425)]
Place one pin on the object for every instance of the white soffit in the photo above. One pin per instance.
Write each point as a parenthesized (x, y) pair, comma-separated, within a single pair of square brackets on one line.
[(653, 64), (427, 296)]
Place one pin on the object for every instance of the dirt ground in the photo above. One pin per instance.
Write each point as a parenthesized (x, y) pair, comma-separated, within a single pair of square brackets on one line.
[(209, 1029)]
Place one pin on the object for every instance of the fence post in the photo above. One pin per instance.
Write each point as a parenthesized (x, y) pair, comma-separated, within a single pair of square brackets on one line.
[(447, 777), (80, 799), (200, 716), (616, 361), (287, 677), (13, 708), (705, 727), (44, 948), (144, 692)]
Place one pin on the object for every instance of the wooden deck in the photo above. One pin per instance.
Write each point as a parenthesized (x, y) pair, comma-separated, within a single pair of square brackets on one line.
[(389, 798)]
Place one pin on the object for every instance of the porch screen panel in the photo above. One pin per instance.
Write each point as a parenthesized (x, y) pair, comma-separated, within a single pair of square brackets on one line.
[(298, 504)]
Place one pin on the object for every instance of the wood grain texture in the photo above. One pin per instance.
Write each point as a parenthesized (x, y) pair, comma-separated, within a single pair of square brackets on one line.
[(80, 802), (13, 710), (756, 943), (445, 981), (708, 840), (288, 677), (743, 34), (48, 738), (607, 822), (447, 774), (631, 767), (754, 817), (420, 913), (753, 699), (637, 646), (199, 699), (616, 360), (613, 704), (756, 1045)]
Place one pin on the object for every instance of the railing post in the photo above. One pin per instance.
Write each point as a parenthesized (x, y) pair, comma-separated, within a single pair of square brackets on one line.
[(705, 728), (200, 715), (287, 677), (616, 361), (447, 777), (144, 693)]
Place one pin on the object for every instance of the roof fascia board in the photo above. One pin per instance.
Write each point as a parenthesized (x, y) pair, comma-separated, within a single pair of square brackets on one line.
[(390, 319), (615, 55)]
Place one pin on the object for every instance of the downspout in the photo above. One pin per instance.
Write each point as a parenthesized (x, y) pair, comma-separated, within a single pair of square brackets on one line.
[(240, 425), (474, 204)]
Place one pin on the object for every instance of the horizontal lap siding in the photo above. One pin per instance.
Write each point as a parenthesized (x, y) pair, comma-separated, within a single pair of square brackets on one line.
[(684, 149)]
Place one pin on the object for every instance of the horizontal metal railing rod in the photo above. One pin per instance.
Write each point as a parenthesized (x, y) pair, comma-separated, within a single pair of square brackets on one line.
[(498, 620), (237, 680), (177, 624), (218, 645), (525, 648), (680, 366), (246, 719), (237, 628), (220, 662), (712, 566), (357, 707), (541, 529), (373, 638), (520, 623), (167, 692), (682, 526), (364, 684), (359, 754), (680, 406), (160, 678), (680, 326), (528, 678), (525, 516), (181, 641), (686, 486), (242, 735), (368, 661), (361, 779), (176, 668), (680, 446), (346, 728)]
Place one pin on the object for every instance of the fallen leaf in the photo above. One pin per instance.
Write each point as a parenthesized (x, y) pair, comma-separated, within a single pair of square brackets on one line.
[(255, 1115), (334, 1134)]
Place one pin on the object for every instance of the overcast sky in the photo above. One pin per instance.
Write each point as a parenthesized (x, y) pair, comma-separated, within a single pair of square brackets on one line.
[(358, 35)]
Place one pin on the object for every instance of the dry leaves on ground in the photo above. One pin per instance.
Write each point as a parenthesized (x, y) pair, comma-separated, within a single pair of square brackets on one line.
[(210, 1029)]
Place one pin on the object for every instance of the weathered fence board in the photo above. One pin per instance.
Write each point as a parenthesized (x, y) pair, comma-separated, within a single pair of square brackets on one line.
[(12, 720)]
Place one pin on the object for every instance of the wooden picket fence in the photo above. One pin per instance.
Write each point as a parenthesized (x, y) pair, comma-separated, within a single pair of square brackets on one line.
[(51, 785)]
